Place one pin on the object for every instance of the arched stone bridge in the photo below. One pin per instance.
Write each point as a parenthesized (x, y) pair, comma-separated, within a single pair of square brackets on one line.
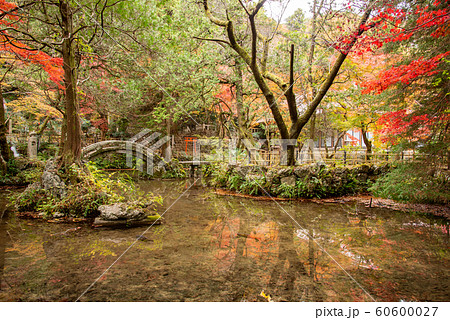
[(137, 149), (142, 146)]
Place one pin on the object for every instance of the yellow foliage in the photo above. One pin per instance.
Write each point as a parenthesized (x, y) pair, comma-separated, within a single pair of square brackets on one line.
[(266, 296), (34, 106)]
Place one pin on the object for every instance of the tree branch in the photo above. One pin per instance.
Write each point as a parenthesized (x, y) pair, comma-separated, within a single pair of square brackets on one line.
[(222, 23), (298, 126)]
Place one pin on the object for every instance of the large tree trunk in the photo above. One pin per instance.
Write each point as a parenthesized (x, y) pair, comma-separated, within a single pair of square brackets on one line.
[(292, 105), (290, 157), (4, 148), (72, 138)]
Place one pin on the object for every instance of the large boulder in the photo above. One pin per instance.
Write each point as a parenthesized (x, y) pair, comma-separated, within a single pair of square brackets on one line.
[(283, 172), (301, 172), (51, 181), (125, 215), (121, 211)]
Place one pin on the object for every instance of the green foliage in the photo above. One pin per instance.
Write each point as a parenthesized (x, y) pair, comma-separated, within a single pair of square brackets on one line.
[(234, 182), (412, 182), (318, 182), (174, 171), (253, 186), (218, 174), (287, 191), (47, 151), (31, 200), (111, 161), (93, 189), (22, 172), (31, 175)]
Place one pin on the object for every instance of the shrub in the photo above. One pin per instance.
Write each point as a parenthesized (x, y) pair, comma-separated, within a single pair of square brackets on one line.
[(253, 185), (218, 174), (287, 191), (234, 182), (21, 172), (413, 182), (111, 161)]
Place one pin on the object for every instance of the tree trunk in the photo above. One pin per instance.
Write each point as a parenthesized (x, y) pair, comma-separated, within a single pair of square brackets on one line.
[(292, 107), (243, 131), (4, 148), (63, 136), (290, 155), (165, 148), (367, 142), (312, 126), (72, 139)]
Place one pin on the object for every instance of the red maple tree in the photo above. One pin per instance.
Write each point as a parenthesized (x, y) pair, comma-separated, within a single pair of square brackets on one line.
[(22, 52), (404, 25)]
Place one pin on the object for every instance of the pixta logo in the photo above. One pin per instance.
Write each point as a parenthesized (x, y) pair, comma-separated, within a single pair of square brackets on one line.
[(145, 145)]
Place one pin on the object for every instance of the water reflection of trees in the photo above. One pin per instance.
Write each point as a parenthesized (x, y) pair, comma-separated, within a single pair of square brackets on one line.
[(264, 253), (289, 267)]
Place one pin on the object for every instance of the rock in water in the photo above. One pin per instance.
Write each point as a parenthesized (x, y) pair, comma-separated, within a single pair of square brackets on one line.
[(121, 211)]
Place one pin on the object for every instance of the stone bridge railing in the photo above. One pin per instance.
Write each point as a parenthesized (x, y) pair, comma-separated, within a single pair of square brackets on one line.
[(119, 146)]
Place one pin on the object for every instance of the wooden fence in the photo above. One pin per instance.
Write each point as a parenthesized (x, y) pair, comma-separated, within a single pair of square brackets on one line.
[(341, 157), (272, 157)]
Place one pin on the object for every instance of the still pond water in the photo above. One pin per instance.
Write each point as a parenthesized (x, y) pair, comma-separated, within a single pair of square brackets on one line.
[(223, 248)]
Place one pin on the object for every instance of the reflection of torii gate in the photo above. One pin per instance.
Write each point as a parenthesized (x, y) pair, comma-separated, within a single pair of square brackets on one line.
[(309, 153)]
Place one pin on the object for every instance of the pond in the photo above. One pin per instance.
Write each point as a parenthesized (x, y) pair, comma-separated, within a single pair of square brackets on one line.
[(224, 248)]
